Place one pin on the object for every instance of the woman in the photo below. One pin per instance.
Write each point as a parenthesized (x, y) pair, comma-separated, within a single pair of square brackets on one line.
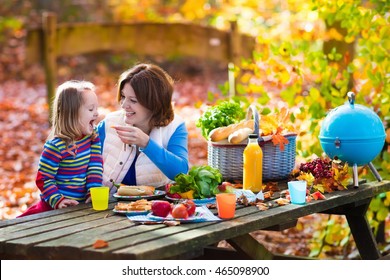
[(145, 143)]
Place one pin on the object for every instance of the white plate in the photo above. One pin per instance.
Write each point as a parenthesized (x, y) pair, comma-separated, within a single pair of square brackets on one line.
[(157, 194), (198, 202), (131, 212)]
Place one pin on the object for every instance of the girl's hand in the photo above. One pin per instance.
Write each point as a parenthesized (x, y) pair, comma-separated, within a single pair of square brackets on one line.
[(88, 200), (67, 202), (132, 135)]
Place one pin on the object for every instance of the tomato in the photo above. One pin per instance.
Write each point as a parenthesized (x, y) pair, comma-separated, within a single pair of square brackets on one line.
[(191, 207), (180, 211)]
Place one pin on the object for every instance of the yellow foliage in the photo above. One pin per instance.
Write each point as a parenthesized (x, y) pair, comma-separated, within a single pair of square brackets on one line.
[(386, 202), (308, 177), (341, 176), (284, 76), (334, 35), (193, 9), (277, 124), (268, 125), (246, 78)]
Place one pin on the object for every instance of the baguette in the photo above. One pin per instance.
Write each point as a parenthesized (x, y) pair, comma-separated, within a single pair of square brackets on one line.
[(221, 133), (125, 190), (239, 135)]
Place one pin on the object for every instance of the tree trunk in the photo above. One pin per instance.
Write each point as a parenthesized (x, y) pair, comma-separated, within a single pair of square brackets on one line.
[(347, 50)]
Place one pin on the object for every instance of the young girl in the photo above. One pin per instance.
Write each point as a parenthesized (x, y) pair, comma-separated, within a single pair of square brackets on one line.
[(71, 161)]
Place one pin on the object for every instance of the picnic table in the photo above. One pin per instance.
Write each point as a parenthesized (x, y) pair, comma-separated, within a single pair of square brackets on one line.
[(70, 233)]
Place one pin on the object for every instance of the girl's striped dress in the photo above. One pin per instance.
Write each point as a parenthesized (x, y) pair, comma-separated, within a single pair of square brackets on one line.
[(69, 173)]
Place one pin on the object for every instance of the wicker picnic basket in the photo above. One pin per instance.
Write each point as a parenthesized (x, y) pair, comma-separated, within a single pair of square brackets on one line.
[(228, 158)]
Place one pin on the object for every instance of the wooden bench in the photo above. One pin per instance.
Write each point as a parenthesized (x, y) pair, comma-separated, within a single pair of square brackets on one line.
[(169, 40)]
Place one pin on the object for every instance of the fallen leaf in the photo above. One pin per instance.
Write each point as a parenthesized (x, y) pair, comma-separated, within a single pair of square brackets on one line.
[(211, 206), (284, 193), (262, 206), (171, 223), (282, 201), (243, 200), (148, 223), (271, 186), (100, 244), (268, 195), (317, 195)]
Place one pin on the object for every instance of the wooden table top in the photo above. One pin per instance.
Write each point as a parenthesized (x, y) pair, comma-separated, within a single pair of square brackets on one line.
[(70, 233)]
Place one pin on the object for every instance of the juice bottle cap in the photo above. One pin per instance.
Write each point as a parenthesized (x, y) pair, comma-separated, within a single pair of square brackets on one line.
[(253, 136)]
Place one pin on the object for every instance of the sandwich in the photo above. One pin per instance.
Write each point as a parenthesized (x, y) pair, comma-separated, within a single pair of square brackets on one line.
[(125, 190)]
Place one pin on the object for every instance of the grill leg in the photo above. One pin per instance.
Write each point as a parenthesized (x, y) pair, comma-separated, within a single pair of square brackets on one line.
[(375, 172), (355, 176)]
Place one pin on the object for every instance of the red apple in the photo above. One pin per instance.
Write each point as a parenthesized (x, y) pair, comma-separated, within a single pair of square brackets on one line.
[(161, 208)]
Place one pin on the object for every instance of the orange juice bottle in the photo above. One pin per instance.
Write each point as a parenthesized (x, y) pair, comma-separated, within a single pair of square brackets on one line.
[(253, 165)]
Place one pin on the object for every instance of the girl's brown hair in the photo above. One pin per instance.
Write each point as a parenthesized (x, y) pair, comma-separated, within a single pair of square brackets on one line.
[(65, 112), (153, 88)]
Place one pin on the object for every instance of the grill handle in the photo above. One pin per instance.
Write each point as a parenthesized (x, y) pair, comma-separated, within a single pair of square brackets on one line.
[(351, 98), (337, 143)]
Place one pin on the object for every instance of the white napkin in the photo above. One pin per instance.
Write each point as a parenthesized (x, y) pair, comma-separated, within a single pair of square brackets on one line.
[(249, 195)]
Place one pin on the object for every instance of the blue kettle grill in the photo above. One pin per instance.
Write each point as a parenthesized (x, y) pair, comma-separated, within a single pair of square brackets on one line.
[(354, 134)]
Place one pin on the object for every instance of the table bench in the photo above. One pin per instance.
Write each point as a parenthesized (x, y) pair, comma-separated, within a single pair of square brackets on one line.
[(70, 233)]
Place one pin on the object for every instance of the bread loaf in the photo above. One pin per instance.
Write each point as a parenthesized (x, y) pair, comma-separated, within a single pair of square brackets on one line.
[(223, 132), (239, 135), (125, 190)]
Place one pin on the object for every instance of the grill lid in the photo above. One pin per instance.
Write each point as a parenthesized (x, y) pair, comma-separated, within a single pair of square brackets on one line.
[(352, 122), (353, 133)]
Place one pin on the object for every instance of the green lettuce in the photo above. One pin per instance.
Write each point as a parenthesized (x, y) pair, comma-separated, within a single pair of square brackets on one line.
[(203, 180), (223, 114)]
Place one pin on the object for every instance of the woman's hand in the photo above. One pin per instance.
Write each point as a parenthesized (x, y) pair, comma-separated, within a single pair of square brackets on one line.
[(132, 135), (67, 202)]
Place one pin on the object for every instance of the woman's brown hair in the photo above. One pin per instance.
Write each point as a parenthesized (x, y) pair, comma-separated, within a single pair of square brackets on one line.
[(153, 88)]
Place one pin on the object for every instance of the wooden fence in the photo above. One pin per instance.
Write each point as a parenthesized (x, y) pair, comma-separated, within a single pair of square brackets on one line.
[(169, 40)]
